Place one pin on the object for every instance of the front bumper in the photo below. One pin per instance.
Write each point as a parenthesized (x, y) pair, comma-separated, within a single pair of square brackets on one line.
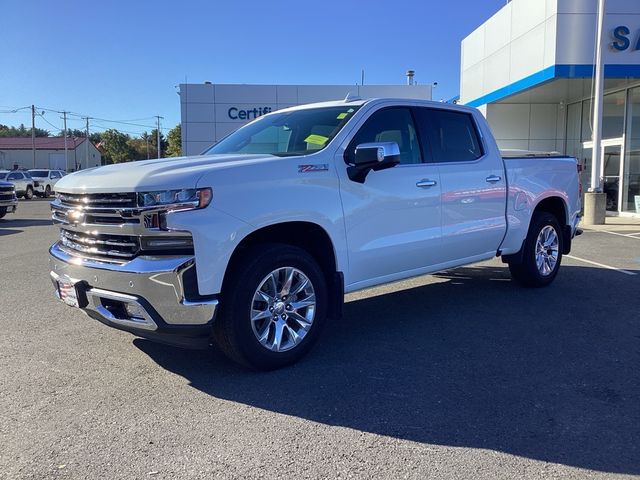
[(152, 297), (11, 205)]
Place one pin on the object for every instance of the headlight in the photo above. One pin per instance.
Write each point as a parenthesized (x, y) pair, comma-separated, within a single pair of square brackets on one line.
[(184, 199)]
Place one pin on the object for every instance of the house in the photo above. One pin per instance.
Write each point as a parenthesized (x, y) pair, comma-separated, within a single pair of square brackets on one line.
[(49, 153)]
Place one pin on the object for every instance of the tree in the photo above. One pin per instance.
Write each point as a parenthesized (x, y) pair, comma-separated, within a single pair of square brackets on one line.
[(174, 142), (153, 142), (116, 146), (21, 131)]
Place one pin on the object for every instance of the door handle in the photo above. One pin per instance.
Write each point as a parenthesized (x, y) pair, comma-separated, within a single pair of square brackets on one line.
[(425, 183), (493, 178)]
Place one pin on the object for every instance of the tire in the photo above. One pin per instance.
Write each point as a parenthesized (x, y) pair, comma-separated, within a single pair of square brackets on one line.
[(3, 211), (262, 268), (28, 195), (539, 269), (47, 191)]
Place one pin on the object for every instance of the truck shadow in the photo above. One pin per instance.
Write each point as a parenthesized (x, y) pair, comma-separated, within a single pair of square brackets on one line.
[(471, 361)]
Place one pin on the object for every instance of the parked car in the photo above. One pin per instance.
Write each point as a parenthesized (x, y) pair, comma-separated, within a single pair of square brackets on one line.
[(253, 244), (21, 179), (8, 199), (47, 180)]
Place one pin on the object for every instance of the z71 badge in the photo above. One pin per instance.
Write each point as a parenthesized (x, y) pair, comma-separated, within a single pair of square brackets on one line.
[(319, 167)]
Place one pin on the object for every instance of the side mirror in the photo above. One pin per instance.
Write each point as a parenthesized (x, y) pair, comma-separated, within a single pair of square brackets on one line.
[(373, 156)]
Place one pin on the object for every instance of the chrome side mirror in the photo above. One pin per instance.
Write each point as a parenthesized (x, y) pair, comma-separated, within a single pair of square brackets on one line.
[(373, 156)]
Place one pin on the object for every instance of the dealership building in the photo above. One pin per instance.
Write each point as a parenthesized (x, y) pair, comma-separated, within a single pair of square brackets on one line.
[(528, 68), (210, 112)]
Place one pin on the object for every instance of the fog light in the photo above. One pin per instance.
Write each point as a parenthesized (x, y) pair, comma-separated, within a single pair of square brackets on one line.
[(135, 311)]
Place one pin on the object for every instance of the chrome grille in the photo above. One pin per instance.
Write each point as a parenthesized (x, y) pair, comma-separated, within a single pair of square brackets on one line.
[(99, 200), (7, 193), (96, 209), (119, 248)]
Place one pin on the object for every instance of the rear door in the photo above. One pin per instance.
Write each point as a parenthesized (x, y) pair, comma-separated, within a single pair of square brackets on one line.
[(473, 184), (392, 220)]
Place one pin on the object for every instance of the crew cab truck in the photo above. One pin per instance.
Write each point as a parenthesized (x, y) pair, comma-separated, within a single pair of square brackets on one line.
[(253, 244)]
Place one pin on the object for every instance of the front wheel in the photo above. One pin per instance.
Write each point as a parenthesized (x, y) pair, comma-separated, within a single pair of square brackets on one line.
[(47, 191), (542, 253), (28, 195), (273, 307), (3, 211)]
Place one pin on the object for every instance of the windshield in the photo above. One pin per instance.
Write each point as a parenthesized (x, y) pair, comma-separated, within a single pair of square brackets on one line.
[(39, 173), (3, 175), (299, 132)]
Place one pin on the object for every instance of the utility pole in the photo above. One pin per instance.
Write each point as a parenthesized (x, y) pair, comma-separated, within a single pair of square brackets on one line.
[(147, 139), (33, 133), (595, 200), (66, 162), (87, 143), (158, 117)]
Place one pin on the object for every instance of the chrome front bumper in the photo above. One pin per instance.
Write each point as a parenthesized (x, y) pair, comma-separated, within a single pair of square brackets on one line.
[(162, 290)]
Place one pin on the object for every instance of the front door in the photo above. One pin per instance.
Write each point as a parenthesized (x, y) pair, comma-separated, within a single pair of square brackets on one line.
[(611, 168), (392, 220)]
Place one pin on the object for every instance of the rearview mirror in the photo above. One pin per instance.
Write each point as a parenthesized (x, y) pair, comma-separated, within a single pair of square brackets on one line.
[(373, 156)]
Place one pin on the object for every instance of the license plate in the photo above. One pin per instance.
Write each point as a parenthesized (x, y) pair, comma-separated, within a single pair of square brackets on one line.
[(68, 293)]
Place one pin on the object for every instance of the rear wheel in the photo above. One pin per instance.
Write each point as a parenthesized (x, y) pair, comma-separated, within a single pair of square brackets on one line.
[(542, 253), (273, 307), (28, 195)]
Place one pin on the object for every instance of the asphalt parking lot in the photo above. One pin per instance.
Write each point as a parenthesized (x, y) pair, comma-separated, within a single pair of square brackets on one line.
[(458, 375)]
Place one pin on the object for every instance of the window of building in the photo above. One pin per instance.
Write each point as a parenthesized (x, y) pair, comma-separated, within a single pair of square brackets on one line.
[(631, 176)]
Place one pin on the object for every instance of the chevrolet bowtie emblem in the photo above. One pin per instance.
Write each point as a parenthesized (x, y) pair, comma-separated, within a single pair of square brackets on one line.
[(75, 217)]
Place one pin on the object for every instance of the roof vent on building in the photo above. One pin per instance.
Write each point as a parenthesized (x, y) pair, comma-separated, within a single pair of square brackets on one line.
[(207, 82), (410, 75)]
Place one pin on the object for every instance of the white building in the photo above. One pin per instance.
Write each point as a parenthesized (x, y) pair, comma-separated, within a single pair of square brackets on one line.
[(529, 69), (18, 151), (210, 112)]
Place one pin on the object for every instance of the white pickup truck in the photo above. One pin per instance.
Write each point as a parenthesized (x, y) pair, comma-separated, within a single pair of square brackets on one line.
[(253, 244)]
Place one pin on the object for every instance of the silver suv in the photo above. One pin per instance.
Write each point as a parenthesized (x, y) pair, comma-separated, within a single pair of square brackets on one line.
[(25, 185)]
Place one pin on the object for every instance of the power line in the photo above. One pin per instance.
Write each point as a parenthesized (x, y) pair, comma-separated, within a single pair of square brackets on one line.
[(47, 121), (82, 116)]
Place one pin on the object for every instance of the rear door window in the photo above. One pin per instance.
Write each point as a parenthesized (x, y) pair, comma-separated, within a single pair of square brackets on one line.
[(450, 136)]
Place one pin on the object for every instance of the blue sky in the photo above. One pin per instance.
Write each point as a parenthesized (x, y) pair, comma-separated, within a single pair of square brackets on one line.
[(121, 60)]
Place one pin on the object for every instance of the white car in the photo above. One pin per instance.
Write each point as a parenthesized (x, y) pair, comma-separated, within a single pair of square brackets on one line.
[(253, 244), (47, 180)]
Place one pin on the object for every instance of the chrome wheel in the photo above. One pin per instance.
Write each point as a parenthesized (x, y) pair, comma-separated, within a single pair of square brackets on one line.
[(547, 249), (283, 309)]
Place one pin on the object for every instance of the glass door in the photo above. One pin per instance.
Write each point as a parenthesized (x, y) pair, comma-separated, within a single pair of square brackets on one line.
[(611, 163), (611, 168)]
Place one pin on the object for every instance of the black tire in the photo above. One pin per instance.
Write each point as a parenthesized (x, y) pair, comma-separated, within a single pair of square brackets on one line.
[(527, 273), (3, 211), (47, 191), (233, 331), (28, 195)]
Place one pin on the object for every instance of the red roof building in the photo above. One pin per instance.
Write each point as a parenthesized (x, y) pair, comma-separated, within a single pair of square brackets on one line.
[(49, 153)]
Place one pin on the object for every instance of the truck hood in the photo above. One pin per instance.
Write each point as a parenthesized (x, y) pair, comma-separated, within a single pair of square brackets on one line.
[(149, 175)]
